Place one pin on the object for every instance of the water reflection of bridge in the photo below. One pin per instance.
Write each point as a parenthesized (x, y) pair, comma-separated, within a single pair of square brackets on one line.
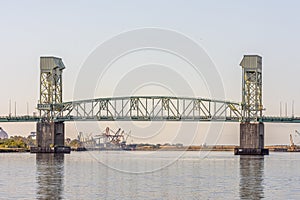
[(50, 176), (251, 177)]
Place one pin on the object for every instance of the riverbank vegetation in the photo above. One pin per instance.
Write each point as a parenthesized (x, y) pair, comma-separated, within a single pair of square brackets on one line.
[(17, 142)]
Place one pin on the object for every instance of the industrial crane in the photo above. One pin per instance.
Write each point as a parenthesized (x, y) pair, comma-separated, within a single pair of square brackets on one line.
[(293, 147)]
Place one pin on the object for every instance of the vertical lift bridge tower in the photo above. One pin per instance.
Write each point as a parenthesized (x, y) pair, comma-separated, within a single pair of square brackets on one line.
[(251, 130), (50, 134)]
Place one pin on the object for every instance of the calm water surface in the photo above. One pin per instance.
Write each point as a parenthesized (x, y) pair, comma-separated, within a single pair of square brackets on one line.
[(149, 175)]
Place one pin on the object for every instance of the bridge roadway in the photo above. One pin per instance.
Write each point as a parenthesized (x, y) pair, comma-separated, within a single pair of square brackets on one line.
[(147, 108)]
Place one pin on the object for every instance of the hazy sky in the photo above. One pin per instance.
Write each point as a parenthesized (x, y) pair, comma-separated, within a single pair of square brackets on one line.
[(226, 30)]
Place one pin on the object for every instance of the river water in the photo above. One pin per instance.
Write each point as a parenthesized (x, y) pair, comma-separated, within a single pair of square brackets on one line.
[(149, 175)]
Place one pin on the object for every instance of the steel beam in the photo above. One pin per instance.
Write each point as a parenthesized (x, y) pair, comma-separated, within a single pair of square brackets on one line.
[(147, 108)]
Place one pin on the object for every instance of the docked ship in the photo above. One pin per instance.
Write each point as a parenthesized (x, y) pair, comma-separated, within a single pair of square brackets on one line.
[(107, 140)]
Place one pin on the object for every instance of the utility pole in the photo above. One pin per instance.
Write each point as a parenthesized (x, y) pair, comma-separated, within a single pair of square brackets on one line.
[(280, 109), (9, 112), (15, 109), (293, 109)]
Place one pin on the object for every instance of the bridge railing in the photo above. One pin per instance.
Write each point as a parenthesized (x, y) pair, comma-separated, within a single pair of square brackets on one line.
[(275, 119), (25, 118)]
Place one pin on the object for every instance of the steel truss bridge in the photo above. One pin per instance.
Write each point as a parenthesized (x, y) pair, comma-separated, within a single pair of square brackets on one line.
[(148, 108), (53, 112)]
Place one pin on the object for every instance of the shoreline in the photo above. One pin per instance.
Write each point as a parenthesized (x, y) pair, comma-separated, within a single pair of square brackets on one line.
[(272, 148), (14, 150)]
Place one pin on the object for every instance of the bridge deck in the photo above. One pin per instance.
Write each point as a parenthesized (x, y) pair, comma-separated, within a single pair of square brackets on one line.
[(266, 119)]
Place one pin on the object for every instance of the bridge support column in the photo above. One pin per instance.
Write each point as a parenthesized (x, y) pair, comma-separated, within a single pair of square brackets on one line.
[(251, 139), (50, 138)]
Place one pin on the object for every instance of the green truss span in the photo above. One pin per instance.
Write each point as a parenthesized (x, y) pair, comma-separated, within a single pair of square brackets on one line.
[(147, 108)]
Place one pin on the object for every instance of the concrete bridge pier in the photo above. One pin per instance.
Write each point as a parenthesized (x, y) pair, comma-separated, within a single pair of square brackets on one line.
[(50, 137), (251, 139), (50, 134)]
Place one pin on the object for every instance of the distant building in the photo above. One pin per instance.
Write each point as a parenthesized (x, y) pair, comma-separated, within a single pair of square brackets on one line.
[(3, 134), (32, 135)]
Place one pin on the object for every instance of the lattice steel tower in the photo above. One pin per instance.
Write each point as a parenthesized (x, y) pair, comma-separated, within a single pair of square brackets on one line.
[(251, 129), (251, 87), (51, 69)]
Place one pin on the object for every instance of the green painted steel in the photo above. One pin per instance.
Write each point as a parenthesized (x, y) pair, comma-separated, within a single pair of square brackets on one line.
[(20, 119), (51, 69), (271, 119), (149, 108), (265, 119), (251, 87)]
